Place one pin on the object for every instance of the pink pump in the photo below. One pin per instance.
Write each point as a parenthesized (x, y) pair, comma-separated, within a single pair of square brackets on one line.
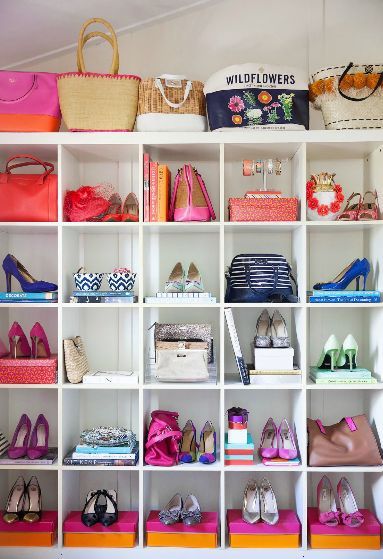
[(18, 343), (39, 342), (287, 447), (19, 444), (269, 447)]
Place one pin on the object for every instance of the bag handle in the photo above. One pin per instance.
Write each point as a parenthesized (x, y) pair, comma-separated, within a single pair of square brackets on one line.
[(49, 167), (160, 87), (349, 420), (346, 71), (112, 40)]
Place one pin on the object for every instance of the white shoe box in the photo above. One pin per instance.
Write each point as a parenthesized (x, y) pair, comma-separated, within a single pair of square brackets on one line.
[(273, 358), (237, 436)]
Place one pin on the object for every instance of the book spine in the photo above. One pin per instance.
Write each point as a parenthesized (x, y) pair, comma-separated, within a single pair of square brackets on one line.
[(146, 187), (344, 299), (163, 192), (153, 191), (107, 456), (98, 462), (344, 381), (103, 293), (29, 296)]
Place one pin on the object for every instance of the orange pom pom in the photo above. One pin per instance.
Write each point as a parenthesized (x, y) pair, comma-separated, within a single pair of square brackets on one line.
[(359, 80), (347, 83), (372, 80)]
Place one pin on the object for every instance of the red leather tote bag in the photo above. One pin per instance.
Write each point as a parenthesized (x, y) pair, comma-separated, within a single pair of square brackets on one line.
[(28, 197)]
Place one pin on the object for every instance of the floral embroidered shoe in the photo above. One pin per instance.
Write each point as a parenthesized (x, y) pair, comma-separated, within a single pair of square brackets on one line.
[(350, 514), (188, 443), (191, 511), (207, 452), (193, 282), (176, 281), (327, 511), (171, 513)]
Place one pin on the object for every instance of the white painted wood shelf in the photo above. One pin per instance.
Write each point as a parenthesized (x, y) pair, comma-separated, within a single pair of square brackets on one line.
[(117, 337)]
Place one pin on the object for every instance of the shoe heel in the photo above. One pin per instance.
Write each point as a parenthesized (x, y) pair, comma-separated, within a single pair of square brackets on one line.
[(351, 354), (9, 285), (15, 340)]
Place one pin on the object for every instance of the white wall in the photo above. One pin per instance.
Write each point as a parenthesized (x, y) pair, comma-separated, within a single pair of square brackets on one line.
[(305, 33)]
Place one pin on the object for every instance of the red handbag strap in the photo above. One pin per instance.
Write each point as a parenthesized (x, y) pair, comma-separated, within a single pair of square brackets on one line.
[(49, 167)]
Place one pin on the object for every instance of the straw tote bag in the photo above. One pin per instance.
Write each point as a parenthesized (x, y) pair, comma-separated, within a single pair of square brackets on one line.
[(76, 362), (171, 103), (98, 102)]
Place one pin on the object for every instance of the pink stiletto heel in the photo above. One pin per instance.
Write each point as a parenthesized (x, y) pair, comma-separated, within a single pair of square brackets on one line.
[(18, 343), (19, 444), (287, 447), (268, 447), (40, 345)]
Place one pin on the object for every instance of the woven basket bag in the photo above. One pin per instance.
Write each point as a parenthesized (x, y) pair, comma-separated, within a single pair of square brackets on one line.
[(171, 102), (350, 97), (98, 102), (76, 362)]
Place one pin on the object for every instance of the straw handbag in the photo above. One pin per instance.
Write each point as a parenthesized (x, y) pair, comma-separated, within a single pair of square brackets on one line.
[(102, 102), (171, 103), (76, 362), (349, 96)]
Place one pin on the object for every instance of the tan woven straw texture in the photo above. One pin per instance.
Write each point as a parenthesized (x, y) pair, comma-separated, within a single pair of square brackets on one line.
[(151, 100), (92, 101)]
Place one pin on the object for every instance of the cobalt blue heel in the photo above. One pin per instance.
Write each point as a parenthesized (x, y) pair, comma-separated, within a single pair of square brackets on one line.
[(354, 271), (12, 267)]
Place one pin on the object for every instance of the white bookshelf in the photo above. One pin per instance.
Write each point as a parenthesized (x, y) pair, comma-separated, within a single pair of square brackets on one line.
[(116, 336)]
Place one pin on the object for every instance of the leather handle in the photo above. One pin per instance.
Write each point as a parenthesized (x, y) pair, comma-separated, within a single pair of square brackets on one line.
[(112, 40), (49, 167)]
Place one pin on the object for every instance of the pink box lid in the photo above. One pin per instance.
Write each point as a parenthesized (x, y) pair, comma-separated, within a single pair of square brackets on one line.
[(127, 522), (370, 526), (47, 523), (288, 524), (208, 524)]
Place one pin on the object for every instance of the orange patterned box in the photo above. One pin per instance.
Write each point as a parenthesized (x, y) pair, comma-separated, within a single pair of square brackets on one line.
[(263, 209), (202, 535), (120, 534), (367, 536)]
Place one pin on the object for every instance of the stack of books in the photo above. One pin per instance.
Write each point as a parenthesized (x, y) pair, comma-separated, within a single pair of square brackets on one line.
[(342, 376), (156, 190), (103, 297), (85, 455), (47, 460), (239, 454), (21, 297), (319, 296), (181, 298)]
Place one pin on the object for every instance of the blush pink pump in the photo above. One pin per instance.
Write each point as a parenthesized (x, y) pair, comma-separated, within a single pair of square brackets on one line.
[(269, 440), (18, 343), (287, 447), (39, 340), (19, 443), (38, 444)]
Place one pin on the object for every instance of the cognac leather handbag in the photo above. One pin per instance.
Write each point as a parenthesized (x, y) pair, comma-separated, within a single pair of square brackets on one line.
[(28, 197), (350, 442)]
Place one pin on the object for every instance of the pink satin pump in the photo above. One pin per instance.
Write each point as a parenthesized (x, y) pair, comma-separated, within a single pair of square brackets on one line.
[(39, 340), (18, 343)]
